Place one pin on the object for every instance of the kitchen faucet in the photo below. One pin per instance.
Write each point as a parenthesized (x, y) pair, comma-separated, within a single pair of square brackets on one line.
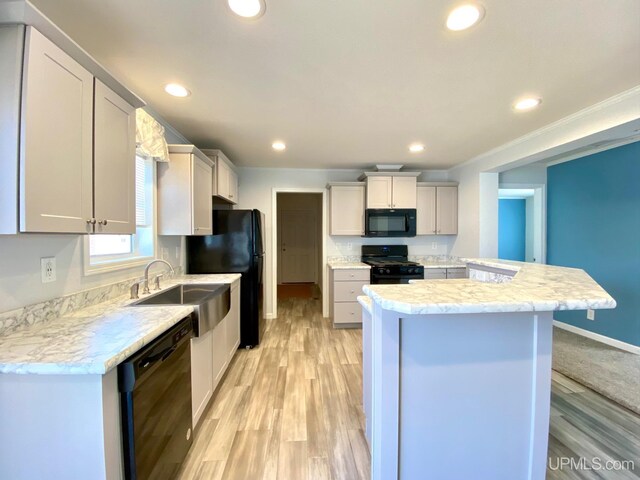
[(146, 273)]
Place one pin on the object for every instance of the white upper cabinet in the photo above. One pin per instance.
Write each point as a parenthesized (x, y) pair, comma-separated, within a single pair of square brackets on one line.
[(391, 191), (437, 211), (447, 210), (56, 141), (67, 143), (114, 163), (184, 192), (233, 187), (379, 192), (202, 196), (426, 211), (347, 208), (225, 179), (404, 192), (222, 179)]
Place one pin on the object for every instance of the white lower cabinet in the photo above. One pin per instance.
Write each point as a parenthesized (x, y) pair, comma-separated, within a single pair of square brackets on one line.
[(445, 273), (201, 374), (211, 355), (346, 286)]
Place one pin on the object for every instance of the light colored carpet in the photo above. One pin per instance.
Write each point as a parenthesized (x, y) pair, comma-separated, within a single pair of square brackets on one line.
[(609, 371)]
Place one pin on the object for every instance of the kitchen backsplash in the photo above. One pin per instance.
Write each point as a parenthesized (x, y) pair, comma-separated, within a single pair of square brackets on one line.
[(57, 307)]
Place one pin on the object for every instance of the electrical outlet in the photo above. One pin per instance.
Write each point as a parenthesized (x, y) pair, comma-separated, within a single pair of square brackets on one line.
[(434, 245), (48, 269), (165, 253), (591, 314), (349, 246)]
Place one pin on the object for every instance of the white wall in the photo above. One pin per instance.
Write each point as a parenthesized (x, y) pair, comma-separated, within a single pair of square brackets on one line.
[(255, 191), (615, 118), (528, 174)]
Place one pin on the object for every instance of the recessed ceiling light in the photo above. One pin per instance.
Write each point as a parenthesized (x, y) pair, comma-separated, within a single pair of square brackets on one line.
[(527, 103), (176, 90), (416, 148), (279, 146), (247, 8), (464, 16)]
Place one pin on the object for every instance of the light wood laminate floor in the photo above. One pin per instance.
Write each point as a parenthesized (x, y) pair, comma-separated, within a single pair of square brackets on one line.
[(291, 409)]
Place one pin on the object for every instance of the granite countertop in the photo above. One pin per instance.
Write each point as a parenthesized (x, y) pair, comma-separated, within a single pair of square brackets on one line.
[(95, 339), (443, 264), (534, 287), (366, 303), (347, 264)]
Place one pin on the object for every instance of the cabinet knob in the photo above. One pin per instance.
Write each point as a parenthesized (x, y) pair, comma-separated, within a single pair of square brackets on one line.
[(102, 222), (91, 221)]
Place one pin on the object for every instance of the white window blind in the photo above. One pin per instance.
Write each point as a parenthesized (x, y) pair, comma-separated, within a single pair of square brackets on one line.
[(141, 196)]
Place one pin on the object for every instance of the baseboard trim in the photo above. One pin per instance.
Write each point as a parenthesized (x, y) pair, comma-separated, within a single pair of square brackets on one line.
[(597, 337)]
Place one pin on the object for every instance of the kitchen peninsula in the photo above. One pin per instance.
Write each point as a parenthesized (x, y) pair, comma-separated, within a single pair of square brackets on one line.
[(457, 373)]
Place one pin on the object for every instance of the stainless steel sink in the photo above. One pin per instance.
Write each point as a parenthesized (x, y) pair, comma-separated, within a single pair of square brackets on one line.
[(211, 303)]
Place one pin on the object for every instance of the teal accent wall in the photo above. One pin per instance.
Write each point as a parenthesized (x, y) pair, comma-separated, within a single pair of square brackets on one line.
[(512, 215), (593, 223)]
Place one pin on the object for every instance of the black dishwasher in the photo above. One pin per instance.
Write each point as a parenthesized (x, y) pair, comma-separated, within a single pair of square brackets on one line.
[(155, 399)]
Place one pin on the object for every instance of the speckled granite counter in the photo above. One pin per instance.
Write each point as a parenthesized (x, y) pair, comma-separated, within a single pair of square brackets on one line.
[(95, 339), (347, 264), (443, 264), (468, 361), (366, 303), (534, 287)]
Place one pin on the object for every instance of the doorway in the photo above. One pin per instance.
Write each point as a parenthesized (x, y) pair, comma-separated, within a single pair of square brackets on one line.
[(299, 245), (521, 224)]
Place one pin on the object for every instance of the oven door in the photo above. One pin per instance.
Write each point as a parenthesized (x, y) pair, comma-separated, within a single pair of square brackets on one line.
[(387, 222), (393, 279)]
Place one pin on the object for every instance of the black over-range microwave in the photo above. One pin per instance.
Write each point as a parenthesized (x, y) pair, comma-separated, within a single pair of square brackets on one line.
[(390, 222)]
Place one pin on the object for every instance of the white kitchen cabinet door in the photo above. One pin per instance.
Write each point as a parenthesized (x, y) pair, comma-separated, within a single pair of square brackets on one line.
[(56, 141), (233, 323), (201, 374), (447, 210), (220, 353), (347, 210), (114, 163), (202, 197), (435, 273), (426, 211), (233, 187), (379, 192), (184, 195), (403, 192), (222, 179)]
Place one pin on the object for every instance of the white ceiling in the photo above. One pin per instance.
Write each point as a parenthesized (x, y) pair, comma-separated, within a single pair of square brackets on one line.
[(351, 83)]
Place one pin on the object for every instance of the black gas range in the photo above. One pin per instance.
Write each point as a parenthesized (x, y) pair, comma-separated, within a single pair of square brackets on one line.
[(390, 264)]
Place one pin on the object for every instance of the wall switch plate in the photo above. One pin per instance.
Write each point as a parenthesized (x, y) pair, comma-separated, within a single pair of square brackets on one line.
[(48, 269), (591, 314), (434, 245), (178, 253)]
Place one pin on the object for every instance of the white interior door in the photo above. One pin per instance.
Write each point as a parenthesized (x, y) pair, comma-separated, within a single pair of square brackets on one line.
[(298, 247)]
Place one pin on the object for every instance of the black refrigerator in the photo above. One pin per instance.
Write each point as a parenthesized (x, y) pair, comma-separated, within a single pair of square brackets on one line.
[(237, 246)]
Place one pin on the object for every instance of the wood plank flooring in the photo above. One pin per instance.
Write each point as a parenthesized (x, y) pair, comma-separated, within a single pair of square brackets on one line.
[(292, 410)]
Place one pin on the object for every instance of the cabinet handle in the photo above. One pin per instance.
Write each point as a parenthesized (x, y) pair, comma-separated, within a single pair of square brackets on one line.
[(91, 221), (102, 222)]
